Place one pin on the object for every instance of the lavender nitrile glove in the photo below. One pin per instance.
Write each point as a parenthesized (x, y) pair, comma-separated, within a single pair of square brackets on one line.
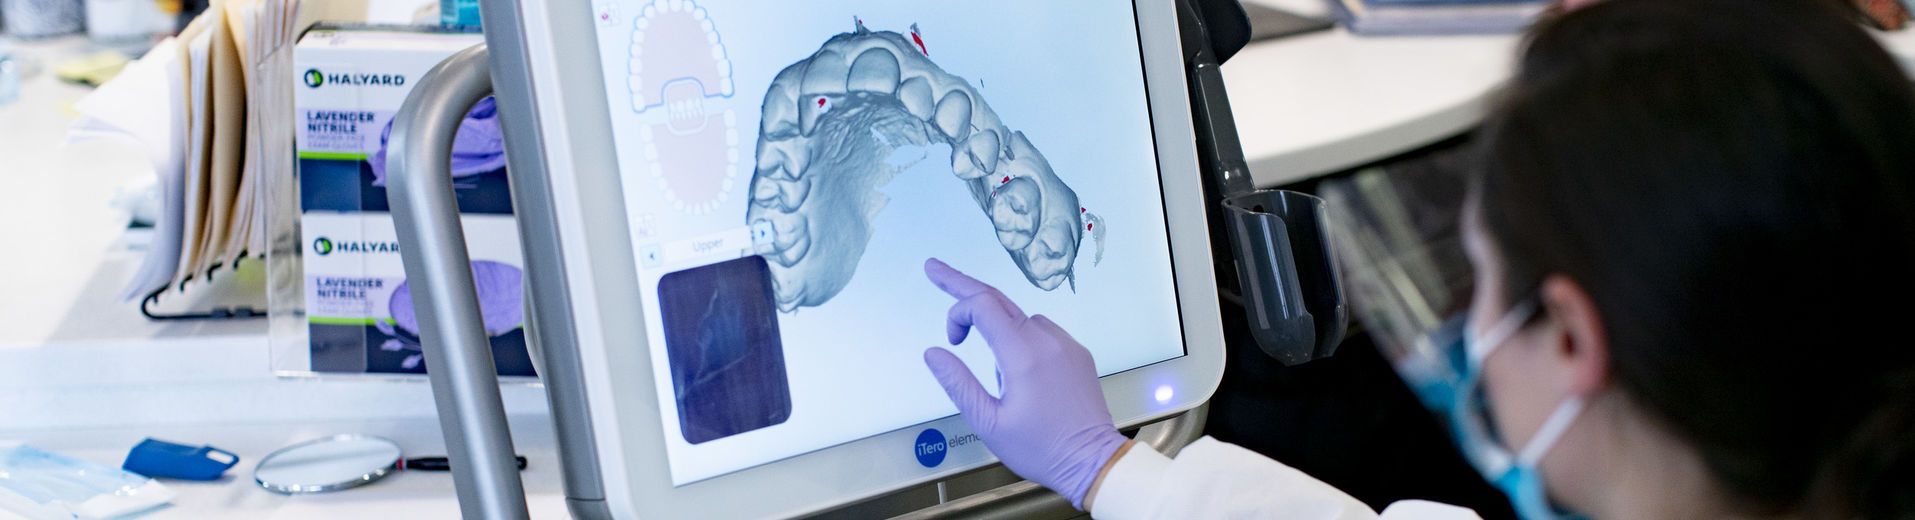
[(477, 147), (1051, 424)]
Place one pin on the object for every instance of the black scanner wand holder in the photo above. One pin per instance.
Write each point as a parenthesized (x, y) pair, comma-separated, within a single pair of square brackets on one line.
[(1275, 240)]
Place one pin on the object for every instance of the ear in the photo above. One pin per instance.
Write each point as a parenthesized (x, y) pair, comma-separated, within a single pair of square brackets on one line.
[(1583, 349)]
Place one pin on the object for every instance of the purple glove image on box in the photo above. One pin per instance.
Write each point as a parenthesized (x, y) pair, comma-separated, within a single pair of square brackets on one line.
[(500, 307), (478, 147)]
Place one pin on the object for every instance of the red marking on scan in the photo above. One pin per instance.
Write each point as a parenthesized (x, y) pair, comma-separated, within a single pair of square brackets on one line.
[(1007, 180), (915, 38)]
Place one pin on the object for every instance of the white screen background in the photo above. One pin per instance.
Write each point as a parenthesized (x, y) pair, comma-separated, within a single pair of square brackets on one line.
[(1067, 74)]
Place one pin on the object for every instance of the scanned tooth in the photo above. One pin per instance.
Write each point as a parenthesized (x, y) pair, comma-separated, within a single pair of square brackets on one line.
[(954, 115), (1048, 259), (810, 108), (790, 170), (824, 75), (983, 150), (787, 82), (791, 194), (786, 290), (764, 191), (794, 239), (797, 161), (1059, 235), (780, 160), (780, 119), (1021, 146), (876, 70), (1016, 209), (964, 166), (977, 157), (915, 93)]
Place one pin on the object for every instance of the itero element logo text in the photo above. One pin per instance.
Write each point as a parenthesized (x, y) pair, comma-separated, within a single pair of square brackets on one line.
[(930, 448), (314, 78)]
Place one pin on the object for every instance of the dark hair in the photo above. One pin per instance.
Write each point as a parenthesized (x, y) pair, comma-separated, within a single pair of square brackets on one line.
[(1731, 182)]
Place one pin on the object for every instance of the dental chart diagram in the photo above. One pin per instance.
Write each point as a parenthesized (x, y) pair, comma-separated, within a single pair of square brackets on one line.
[(788, 167)]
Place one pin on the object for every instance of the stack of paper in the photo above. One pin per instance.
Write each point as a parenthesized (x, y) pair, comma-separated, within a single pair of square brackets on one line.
[(203, 106), (1437, 17)]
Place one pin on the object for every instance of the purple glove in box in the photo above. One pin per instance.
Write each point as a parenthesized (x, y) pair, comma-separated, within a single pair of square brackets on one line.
[(478, 147), (500, 307)]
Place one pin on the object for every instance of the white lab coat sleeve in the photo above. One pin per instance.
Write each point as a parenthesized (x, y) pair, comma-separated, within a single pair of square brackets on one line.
[(1214, 479)]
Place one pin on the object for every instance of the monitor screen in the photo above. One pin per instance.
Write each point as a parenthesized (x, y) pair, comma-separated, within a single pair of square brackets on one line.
[(788, 167)]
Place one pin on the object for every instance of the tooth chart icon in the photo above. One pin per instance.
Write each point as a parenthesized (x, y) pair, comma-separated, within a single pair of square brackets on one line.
[(690, 138)]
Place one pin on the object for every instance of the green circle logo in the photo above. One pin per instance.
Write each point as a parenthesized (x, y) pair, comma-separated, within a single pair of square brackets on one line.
[(323, 246), (314, 78)]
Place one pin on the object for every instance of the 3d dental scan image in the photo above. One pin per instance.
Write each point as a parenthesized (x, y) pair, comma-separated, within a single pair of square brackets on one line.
[(865, 106)]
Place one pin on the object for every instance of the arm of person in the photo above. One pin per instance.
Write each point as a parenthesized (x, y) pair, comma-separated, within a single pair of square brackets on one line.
[(1215, 479), (1051, 425)]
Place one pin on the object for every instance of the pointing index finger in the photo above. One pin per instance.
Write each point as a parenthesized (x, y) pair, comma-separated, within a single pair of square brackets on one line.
[(953, 282), (978, 304)]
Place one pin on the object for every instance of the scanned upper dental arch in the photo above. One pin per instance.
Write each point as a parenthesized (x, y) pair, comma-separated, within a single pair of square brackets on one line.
[(833, 127)]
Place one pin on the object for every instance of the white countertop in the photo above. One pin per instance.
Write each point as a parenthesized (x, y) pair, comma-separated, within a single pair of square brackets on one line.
[(54, 200), (416, 495), (1327, 101)]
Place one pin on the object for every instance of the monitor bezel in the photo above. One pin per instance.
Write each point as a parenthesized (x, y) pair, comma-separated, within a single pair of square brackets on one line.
[(602, 281)]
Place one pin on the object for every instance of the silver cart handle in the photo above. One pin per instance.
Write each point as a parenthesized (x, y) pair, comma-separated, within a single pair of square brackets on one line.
[(432, 242)]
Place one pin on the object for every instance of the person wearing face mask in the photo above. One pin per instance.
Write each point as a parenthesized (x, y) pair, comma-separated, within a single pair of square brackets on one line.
[(1693, 239)]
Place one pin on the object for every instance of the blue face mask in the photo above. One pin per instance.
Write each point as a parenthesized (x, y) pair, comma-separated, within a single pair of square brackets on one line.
[(1468, 413)]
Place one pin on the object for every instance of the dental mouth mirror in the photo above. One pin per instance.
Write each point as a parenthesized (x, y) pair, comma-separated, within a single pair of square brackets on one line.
[(339, 462), (328, 464)]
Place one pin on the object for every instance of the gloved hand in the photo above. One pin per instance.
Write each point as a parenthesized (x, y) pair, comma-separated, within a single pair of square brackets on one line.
[(1051, 424)]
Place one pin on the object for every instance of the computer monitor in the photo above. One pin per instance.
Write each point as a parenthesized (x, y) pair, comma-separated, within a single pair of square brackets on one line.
[(741, 197)]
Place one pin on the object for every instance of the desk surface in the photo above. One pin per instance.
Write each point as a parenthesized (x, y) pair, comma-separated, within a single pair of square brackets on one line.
[(1327, 101), (418, 495), (56, 198)]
